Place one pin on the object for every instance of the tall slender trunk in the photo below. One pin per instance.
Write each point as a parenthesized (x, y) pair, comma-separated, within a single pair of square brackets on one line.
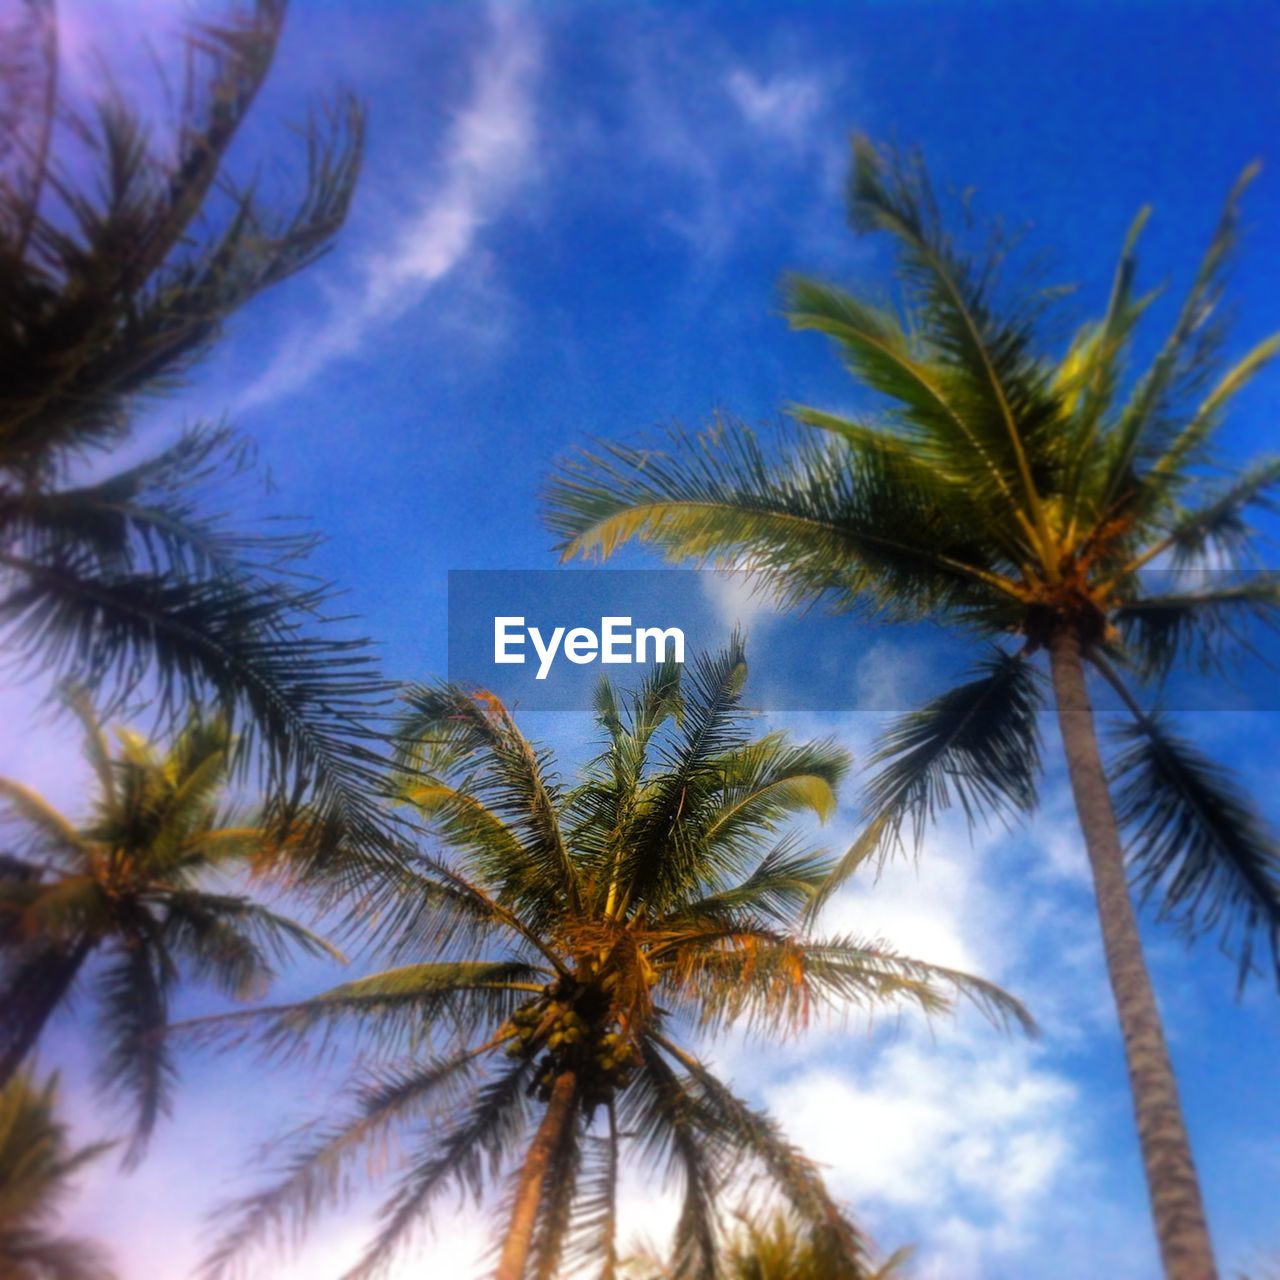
[(1176, 1205), (30, 1003), (524, 1213)]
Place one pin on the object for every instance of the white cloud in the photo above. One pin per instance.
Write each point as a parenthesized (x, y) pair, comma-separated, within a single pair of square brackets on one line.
[(784, 106), (955, 1121), (740, 145), (488, 156), (738, 598), (889, 678)]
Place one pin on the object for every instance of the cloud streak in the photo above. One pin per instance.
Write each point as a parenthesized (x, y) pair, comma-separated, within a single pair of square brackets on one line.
[(783, 106), (488, 155)]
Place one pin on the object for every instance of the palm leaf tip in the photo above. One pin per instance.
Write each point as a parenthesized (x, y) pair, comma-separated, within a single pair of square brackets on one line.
[(1198, 849), (977, 745)]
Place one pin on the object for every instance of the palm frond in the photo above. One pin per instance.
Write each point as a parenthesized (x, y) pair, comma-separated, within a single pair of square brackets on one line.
[(976, 745), (395, 1008), (234, 941), (133, 1001), (1005, 404), (1146, 425), (1167, 473), (778, 984), (1206, 625), (97, 750), (1218, 528), (470, 741), (480, 1138), (37, 1168), (304, 699), (823, 524), (1088, 378), (775, 893), (1198, 849), (936, 435), (758, 1137), (429, 907), (673, 1132), (314, 1173), (31, 1253), (661, 858), (61, 911), (594, 1238), (122, 283), (55, 835), (28, 105), (770, 778)]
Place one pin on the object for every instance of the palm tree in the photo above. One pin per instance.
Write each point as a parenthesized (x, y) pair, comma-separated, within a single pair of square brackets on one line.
[(1011, 493), (122, 254), (771, 1247), (36, 1168), (565, 953), (136, 888)]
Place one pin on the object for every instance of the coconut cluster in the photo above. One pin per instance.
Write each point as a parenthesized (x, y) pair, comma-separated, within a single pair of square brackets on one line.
[(573, 1032)]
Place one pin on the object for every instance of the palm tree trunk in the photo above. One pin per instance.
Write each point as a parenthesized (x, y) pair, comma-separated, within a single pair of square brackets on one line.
[(30, 1003), (524, 1214), (1181, 1229)]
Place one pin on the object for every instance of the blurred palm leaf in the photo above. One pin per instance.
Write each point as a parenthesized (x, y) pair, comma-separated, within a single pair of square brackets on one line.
[(37, 1168), (121, 257), (128, 890)]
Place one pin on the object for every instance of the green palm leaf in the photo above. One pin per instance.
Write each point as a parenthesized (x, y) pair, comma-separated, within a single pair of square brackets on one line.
[(481, 1134), (314, 1171), (977, 745), (756, 1135), (1198, 849), (1186, 359), (451, 734), (136, 899), (37, 1168), (831, 524), (1206, 625)]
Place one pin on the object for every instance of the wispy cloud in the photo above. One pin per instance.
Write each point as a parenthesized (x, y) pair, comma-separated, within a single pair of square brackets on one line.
[(488, 155), (739, 598), (783, 106), (734, 136)]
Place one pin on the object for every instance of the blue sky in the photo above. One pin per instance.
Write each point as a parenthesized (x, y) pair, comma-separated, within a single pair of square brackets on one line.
[(572, 223)]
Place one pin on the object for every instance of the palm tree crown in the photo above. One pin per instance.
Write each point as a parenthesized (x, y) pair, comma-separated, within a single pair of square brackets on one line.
[(1011, 493), (145, 888), (564, 954), (769, 1247), (37, 1165), (1006, 493), (122, 254)]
